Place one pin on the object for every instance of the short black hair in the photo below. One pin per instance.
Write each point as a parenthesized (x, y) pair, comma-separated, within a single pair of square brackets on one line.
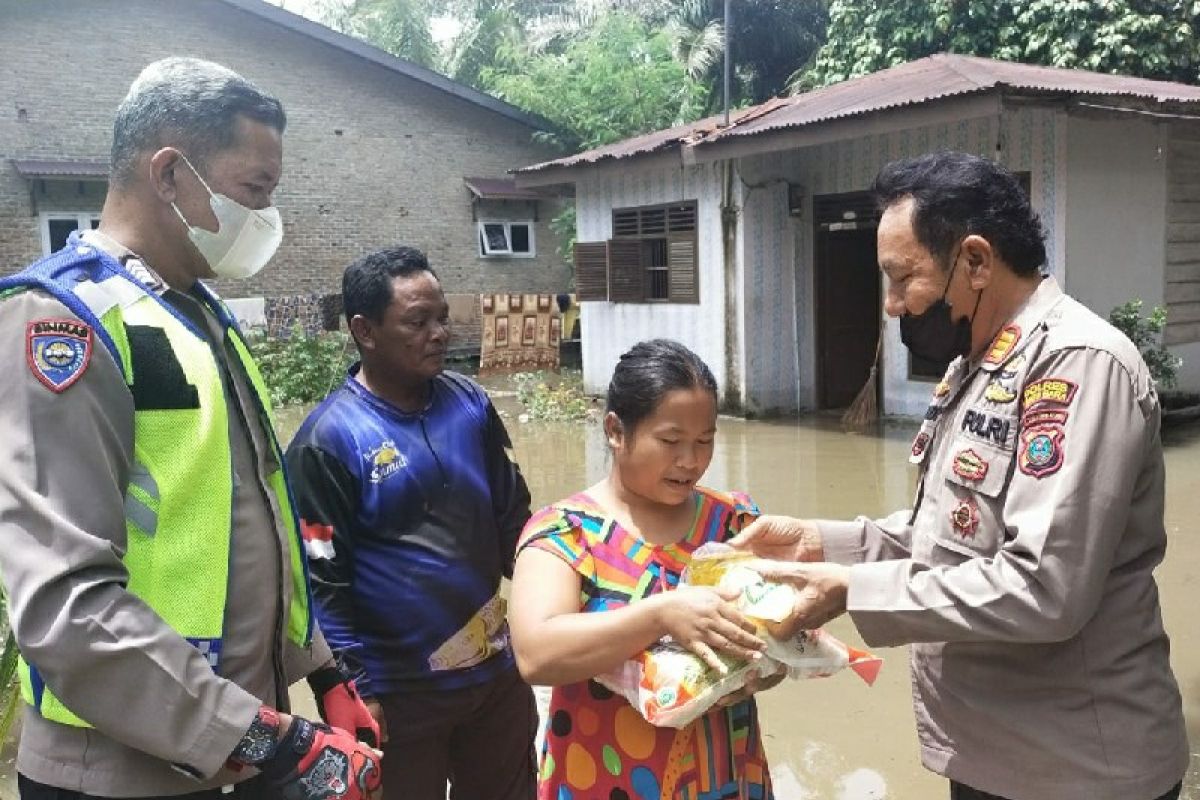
[(367, 283), (647, 372), (958, 194), (188, 103)]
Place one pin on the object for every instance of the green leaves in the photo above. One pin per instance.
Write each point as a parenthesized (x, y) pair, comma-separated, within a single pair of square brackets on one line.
[(302, 368), (550, 397), (618, 80), (1146, 333), (1146, 38)]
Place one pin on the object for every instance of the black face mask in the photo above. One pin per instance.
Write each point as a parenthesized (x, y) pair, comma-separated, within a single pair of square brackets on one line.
[(934, 335)]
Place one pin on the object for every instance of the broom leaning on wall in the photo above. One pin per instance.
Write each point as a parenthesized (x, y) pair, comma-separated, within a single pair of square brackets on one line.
[(864, 411)]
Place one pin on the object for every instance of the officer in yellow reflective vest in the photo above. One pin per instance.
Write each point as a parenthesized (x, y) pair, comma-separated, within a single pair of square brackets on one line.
[(151, 555)]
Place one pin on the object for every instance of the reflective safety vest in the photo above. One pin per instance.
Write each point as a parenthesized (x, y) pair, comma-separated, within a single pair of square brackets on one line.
[(179, 499)]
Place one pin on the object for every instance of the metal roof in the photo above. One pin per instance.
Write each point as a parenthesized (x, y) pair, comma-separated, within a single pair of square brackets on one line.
[(349, 44), (499, 189), (71, 169), (932, 78), (659, 140)]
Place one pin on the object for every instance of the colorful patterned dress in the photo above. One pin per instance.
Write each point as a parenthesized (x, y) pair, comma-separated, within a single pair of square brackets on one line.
[(597, 745)]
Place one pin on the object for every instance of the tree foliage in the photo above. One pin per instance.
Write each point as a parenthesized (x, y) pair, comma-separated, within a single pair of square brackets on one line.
[(1145, 38), (618, 80), (401, 27), (1146, 335)]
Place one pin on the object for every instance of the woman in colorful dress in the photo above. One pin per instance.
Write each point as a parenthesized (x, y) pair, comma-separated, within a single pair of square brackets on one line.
[(619, 547)]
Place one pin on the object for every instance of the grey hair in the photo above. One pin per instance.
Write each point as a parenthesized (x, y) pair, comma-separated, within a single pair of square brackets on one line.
[(189, 103)]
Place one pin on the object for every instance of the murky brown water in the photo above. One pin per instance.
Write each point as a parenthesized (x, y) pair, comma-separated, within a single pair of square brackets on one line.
[(837, 739)]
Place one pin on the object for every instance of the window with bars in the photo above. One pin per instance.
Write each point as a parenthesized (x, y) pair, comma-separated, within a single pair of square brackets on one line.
[(650, 259)]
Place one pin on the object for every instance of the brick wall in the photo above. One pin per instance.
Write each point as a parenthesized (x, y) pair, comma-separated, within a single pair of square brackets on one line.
[(370, 157)]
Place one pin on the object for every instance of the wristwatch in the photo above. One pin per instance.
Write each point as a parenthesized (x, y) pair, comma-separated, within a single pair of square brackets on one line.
[(261, 740)]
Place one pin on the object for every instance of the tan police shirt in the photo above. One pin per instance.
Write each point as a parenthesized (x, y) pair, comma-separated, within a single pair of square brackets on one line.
[(1024, 573), (152, 697)]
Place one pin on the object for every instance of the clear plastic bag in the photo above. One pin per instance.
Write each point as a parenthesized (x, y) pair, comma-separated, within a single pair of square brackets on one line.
[(671, 686)]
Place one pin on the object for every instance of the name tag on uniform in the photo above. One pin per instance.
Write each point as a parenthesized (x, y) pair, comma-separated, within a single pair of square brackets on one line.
[(995, 429)]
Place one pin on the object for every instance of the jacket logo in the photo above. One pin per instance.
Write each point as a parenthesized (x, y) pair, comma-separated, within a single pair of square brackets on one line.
[(965, 518), (919, 446), (970, 466), (1003, 387), (1041, 451), (385, 461), (987, 427), (58, 351), (1052, 391)]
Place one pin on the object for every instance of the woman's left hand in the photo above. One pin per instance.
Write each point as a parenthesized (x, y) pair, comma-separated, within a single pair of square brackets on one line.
[(754, 684)]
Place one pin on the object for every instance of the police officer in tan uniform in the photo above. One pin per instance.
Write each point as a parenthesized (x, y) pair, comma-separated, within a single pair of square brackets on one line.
[(110, 514), (1022, 576)]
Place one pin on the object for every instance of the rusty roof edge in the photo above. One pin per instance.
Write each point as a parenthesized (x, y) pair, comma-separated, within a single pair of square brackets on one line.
[(695, 135), (735, 136), (978, 102)]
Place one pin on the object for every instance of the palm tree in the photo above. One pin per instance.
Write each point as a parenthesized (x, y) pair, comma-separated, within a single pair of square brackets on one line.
[(698, 37), (401, 27)]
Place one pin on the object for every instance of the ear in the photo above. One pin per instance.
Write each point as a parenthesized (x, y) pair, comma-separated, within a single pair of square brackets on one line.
[(980, 259), (363, 331), (163, 165), (614, 432)]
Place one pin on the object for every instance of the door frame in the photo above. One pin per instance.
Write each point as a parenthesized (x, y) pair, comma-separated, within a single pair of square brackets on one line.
[(845, 211)]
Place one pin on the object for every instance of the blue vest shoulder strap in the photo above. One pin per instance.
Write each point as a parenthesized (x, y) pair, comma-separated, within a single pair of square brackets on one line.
[(59, 273)]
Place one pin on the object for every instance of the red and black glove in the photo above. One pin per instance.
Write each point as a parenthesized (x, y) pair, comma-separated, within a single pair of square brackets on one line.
[(341, 706), (316, 762)]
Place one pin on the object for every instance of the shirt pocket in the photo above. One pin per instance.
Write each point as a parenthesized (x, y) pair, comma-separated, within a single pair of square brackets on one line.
[(971, 519)]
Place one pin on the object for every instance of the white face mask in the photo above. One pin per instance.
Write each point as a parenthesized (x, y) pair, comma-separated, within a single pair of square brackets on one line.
[(245, 239)]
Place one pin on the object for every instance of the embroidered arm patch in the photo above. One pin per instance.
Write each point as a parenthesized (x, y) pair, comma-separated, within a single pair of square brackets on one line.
[(58, 351)]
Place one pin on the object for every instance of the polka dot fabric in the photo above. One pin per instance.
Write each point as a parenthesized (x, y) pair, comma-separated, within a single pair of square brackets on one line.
[(597, 746)]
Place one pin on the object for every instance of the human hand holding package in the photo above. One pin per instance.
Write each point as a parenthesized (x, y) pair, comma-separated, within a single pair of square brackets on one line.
[(671, 686)]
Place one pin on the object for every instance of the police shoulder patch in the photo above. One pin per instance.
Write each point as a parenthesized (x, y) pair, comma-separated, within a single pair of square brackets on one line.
[(1003, 344), (1041, 450), (1049, 391), (58, 351)]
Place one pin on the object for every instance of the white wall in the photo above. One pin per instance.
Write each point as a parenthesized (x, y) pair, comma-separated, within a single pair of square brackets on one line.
[(1117, 216), (1116, 212), (777, 352), (779, 274), (609, 329)]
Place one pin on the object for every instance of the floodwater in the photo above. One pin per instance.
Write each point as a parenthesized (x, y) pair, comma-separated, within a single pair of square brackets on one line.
[(836, 738)]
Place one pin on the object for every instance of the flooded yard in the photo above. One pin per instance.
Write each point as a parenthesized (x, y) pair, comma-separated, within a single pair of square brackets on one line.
[(836, 738)]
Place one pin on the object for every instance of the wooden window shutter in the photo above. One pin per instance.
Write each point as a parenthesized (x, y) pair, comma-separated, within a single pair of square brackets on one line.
[(625, 222), (683, 271), (591, 270), (682, 217), (625, 270)]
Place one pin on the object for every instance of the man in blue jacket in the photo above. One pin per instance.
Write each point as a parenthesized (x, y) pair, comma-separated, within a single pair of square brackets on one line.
[(411, 511)]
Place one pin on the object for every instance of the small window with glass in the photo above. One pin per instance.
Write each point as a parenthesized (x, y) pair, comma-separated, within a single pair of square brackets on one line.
[(57, 226), (513, 239)]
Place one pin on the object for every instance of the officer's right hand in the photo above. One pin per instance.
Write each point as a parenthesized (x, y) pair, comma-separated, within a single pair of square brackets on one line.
[(781, 539), (316, 762)]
